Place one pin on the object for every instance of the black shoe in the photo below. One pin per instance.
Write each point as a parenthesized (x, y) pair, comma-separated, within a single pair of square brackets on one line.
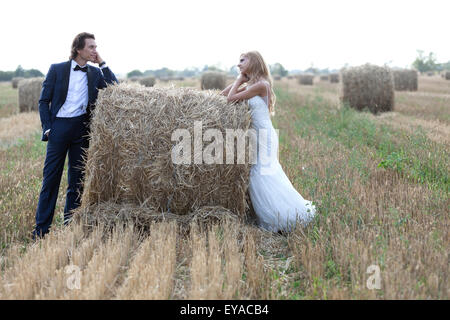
[(36, 235)]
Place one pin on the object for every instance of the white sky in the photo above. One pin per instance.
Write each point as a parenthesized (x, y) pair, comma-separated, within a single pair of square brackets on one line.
[(133, 34)]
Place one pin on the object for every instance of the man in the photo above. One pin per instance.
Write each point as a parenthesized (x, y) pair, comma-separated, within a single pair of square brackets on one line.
[(67, 98)]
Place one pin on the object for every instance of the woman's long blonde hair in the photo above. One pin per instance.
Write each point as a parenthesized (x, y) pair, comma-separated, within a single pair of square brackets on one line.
[(258, 70)]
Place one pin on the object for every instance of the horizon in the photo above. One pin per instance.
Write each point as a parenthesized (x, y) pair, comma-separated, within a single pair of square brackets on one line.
[(179, 35)]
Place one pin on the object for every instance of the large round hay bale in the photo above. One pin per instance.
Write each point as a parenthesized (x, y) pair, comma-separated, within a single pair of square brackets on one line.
[(306, 79), (334, 77), (213, 80), (447, 75), (324, 78), (29, 93), (405, 80), (130, 157), (147, 81), (368, 86), (15, 81)]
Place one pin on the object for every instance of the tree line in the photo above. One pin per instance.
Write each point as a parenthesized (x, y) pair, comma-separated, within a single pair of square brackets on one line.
[(20, 72), (428, 63), (423, 63), (276, 69)]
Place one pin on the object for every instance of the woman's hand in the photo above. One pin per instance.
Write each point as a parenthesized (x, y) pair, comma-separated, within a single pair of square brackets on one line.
[(257, 89), (242, 78)]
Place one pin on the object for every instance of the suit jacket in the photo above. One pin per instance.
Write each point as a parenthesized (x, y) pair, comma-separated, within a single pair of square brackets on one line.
[(56, 85)]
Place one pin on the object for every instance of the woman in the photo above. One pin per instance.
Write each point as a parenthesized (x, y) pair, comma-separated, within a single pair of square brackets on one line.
[(277, 204)]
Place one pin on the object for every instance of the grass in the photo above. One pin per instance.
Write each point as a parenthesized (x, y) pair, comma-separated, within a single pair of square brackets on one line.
[(17, 127), (410, 153), (425, 106), (382, 196), (9, 101), (21, 168), (360, 197)]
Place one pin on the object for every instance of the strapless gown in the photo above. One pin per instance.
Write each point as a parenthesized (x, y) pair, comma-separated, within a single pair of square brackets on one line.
[(277, 204)]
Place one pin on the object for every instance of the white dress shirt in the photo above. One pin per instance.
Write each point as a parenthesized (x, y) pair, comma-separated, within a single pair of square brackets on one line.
[(77, 94)]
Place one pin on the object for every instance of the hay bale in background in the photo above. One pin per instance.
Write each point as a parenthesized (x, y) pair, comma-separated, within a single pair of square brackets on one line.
[(405, 80), (324, 78), (29, 93), (276, 77), (306, 79), (368, 86), (163, 79), (230, 78), (334, 77), (15, 81), (447, 75), (213, 80), (147, 81), (129, 159)]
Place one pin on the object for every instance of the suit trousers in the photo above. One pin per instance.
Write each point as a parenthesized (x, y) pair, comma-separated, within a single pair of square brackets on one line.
[(67, 136)]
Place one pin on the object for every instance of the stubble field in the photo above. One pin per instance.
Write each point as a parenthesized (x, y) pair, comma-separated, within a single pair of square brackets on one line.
[(380, 184)]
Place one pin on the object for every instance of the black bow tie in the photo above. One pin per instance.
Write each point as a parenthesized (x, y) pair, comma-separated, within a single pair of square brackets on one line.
[(77, 67)]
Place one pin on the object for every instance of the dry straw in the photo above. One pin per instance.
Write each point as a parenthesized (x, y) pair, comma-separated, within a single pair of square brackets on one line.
[(334, 77), (368, 86), (15, 81), (130, 174), (110, 215), (29, 93), (306, 79), (147, 81), (405, 80), (213, 80)]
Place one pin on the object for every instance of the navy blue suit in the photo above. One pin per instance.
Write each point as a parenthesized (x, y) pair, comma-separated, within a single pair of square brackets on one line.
[(67, 136)]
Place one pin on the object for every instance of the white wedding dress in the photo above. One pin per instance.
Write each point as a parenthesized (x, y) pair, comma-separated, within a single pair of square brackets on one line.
[(277, 204)]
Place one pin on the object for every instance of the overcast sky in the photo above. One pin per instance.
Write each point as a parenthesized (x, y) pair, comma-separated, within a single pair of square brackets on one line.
[(133, 34)]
